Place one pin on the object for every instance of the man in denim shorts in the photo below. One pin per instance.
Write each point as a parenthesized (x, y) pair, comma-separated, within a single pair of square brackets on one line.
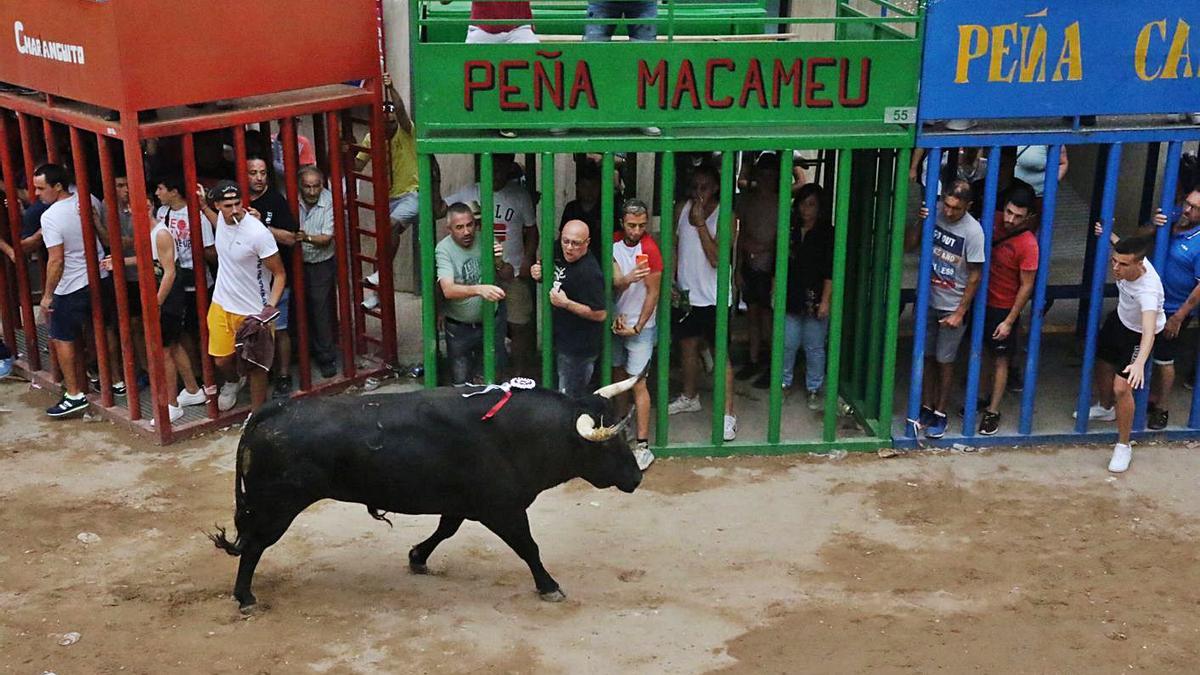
[(637, 279)]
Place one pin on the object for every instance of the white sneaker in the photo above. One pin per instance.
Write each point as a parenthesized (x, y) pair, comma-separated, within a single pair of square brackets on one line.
[(730, 427), (683, 404), (651, 131), (1122, 455), (372, 278), (187, 398), (228, 396), (370, 300), (174, 414), (1194, 117), (1098, 413), (959, 125), (643, 456)]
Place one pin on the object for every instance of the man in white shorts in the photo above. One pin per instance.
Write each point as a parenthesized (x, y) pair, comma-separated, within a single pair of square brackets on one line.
[(637, 279)]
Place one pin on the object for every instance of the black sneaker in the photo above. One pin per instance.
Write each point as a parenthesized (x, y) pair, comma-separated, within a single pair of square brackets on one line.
[(989, 424), (747, 371), (118, 389), (328, 370), (68, 406), (283, 386), (1156, 418)]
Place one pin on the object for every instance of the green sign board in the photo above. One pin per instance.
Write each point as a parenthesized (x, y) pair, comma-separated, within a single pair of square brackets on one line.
[(608, 85)]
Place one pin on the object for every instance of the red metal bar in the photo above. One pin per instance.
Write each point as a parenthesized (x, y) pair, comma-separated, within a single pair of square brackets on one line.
[(383, 229), (239, 160), (24, 294), (75, 118), (292, 187), (7, 315), (200, 272), (356, 270), (336, 99), (52, 154), (84, 195), (32, 341), (321, 143), (117, 248), (159, 387), (336, 186)]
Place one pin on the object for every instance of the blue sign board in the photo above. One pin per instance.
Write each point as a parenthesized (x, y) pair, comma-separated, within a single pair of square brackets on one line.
[(1043, 58)]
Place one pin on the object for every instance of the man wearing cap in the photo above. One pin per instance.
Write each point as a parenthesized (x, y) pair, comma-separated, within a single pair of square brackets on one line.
[(250, 281)]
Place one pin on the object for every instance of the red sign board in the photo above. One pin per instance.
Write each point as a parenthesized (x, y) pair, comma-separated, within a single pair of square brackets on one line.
[(140, 54)]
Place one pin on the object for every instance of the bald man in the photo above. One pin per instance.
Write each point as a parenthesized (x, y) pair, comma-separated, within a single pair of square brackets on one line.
[(577, 297)]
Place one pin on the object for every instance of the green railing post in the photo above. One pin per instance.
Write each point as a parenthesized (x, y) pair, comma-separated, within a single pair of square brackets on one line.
[(606, 246), (724, 255), (837, 302), (425, 230), (783, 234), (887, 373), (549, 232), (487, 268), (666, 245), (875, 346)]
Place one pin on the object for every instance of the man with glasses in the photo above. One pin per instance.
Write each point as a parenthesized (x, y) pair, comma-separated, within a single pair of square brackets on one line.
[(579, 310)]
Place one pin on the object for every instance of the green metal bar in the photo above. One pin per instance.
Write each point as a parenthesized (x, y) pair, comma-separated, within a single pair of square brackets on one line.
[(724, 254), (836, 303), (552, 22), (487, 268), (783, 234), (879, 268), (815, 136), (606, 245), (864, 177), (666, 245), (549, 231), (891, 332), (671, 29), (425, 227)]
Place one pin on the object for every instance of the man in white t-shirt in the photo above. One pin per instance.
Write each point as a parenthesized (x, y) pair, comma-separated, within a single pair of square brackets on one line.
[(637, 279), (65, 299), (1126, 341), (696, 274), (250, 282), (515, 226)]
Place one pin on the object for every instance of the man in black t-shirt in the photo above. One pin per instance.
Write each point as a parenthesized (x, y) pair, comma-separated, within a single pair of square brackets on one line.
[(577, 296), (272, 209)]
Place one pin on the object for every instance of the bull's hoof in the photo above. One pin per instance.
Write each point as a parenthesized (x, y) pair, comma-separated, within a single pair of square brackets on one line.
[(249, 608), (415, 564), (555, 595)]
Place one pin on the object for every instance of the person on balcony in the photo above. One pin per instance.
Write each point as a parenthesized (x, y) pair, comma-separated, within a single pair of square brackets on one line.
[(957, 261), (639, 32), (696, 275), (520, 30)]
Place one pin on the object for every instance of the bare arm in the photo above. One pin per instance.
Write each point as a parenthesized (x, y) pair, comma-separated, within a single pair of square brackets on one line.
[(166, 258), (454, 291), (274, 265), (1175, 321), (54, 270), (1063, 163), (650, 304), (559, 299), (283, 237), (1135, 372)]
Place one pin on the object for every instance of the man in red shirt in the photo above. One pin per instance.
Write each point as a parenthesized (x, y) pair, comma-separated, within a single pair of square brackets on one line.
[(1010, 285), (521, 30)]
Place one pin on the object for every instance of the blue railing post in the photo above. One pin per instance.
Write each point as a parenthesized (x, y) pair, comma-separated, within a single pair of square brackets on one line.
[(933, 164), (1099, 272), (1037, 314), (979, 310)]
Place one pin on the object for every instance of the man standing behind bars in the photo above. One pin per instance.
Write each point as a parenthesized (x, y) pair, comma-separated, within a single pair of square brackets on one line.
[(65, 300), (271, 208), (320, 266), (1010, 285), (696, 225), (957, 263), (577, 297)]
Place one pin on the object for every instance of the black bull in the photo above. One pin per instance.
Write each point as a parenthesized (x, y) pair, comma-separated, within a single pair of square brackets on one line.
[(426, 452)]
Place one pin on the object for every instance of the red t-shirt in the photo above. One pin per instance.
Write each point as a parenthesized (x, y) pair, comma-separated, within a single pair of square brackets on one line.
[(1009, 258), (517, 11)]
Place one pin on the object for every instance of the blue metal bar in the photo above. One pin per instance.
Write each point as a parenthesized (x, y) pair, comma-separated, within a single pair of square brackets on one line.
[(933, 163), (1085, 136), (1112, 169), (980, 307), (1037, 315), (1162, 240)]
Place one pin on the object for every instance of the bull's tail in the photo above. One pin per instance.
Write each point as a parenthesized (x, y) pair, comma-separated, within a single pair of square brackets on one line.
[(218, 537)]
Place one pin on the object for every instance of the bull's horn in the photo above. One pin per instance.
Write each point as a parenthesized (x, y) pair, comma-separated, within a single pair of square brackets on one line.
[(617, 388), (586, 426)]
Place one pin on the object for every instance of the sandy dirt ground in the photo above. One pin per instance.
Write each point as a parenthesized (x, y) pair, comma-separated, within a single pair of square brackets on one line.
[(1000, 561)]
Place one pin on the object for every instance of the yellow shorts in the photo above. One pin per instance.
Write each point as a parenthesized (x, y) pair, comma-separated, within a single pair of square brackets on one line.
[(222, 330)]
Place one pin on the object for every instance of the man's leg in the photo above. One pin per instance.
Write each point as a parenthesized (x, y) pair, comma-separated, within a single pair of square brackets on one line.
[(945, 379), (183, 365), (597, 32), (641, 399), (1105, 372), (319, 280), (64, 350), (689, 357), (1161, 384), (642, 32), (999, 381), (1123, 398), (258, 385), (523, 341)]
